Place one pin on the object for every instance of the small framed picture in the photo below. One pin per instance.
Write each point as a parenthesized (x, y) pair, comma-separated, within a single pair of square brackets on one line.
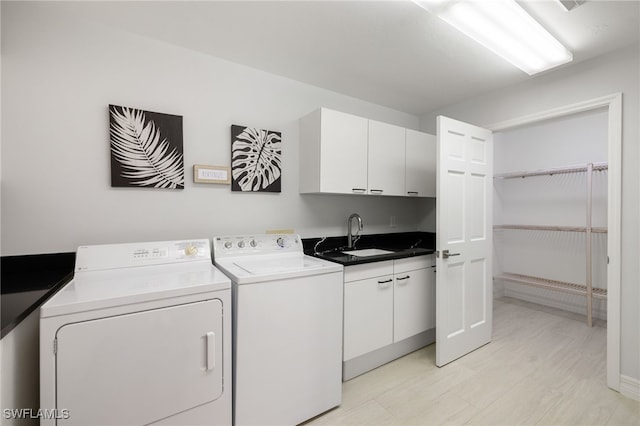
[(211, 174)]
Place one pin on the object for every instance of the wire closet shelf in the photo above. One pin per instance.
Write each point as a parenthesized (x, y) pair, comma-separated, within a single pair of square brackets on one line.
[(586, 289)]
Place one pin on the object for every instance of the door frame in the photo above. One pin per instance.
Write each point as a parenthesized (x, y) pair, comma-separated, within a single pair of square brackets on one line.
[(613, 103)]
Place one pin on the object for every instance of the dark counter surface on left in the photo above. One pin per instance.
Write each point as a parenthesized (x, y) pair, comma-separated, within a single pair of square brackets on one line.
[(28, 281)]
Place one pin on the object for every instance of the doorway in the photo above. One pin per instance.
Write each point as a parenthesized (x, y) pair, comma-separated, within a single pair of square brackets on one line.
[(613, 105)]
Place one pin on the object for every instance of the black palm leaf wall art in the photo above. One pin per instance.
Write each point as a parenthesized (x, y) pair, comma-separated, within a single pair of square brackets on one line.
[(256, 159), (146, 149)]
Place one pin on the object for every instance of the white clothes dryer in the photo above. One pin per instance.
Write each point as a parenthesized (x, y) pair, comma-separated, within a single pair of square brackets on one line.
[(141, 335)]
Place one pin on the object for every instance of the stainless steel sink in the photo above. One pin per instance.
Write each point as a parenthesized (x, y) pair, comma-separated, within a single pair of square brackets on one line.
[(367, 252)]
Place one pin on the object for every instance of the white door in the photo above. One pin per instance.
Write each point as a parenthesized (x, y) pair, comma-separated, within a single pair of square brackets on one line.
[(463, 239)]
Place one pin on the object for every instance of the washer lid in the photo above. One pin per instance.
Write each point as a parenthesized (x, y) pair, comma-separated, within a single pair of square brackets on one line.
[(116, 287), (251, 269)]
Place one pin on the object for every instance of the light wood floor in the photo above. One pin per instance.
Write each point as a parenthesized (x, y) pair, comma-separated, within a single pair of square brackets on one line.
[(543, 367)]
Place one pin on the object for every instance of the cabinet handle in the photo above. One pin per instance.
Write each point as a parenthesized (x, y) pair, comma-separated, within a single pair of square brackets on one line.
[(385, 282), (412, 192), (358, 190), (377, 191), (403, 278)]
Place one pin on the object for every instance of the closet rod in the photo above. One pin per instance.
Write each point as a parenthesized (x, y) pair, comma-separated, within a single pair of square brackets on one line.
[(550, 172), (552, 228)]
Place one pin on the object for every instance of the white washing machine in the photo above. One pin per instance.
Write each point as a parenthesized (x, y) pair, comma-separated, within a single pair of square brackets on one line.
[(287, 329), (141, 335)]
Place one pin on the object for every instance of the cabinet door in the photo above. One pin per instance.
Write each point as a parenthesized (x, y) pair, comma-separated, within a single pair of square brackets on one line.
[(368, 315), (386, 158), (414, 303), (420, 164), (343, 153)]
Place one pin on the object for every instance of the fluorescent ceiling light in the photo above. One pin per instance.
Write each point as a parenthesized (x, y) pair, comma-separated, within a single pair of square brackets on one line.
[(503, 27)]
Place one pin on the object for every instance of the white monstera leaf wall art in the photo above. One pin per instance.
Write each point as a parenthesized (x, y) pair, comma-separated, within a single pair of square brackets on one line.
[(146, 149), (256, 159)]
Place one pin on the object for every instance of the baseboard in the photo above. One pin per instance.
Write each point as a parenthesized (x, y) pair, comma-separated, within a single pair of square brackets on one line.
[(630, 387), (498, 289), (359, 365), (554, 299)]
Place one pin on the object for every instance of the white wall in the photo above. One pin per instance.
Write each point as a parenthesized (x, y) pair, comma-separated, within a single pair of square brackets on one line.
[(58, 77), (616, 72)]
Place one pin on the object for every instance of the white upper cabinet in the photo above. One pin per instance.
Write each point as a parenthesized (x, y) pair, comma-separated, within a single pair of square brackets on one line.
[(333, 152), (345, 154), (420, 180), (386, 159)]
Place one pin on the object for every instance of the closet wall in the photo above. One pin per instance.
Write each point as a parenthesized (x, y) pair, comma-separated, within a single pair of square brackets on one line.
[(551, 200)]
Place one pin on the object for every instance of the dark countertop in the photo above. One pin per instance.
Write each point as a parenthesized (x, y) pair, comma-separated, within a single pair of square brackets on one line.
[(402, 244), (28, 281)]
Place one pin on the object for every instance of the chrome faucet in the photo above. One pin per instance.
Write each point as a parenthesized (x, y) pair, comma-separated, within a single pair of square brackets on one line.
[(350, 241)]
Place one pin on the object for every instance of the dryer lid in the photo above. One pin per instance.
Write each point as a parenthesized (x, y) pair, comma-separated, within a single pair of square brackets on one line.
[(117, 287)]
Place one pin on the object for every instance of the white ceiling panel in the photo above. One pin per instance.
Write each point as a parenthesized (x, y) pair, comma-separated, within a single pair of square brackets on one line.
[(391, 53)]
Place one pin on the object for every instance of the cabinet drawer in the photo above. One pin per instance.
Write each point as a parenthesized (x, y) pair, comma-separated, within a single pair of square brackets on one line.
[(413, 263), (368, 270)]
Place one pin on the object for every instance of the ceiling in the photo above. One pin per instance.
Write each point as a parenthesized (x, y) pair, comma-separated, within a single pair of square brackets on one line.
[(391, 53)]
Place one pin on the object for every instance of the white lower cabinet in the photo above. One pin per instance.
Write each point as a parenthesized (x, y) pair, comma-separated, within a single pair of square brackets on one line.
[(386, 303), (368, 308)]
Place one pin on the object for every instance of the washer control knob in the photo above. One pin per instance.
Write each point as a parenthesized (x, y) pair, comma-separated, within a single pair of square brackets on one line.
[(241, 244), (280, 242), (253, 243), (228, 245), (191, 250)]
